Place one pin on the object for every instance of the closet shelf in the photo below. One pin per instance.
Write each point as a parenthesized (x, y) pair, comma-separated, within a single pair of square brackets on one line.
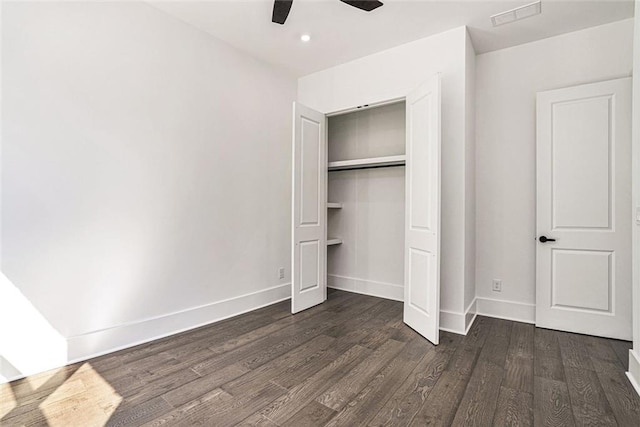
[(333, 241), (331, 205), (367, 163)]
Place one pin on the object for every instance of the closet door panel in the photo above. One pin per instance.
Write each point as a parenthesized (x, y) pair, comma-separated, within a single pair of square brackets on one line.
[(422, 225), (309, 241)]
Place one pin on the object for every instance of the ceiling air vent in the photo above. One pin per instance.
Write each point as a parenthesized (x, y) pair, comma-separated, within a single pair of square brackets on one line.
[(516, 14)]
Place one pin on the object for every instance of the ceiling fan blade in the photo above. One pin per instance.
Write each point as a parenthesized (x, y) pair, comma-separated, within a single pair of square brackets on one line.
[(281, 10), (366, 5)]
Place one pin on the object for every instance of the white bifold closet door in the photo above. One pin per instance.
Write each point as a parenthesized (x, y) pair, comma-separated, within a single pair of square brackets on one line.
[(309, 235), (422, 211)]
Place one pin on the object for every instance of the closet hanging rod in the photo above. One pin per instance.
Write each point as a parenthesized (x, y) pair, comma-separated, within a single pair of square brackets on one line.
[(353, 168)]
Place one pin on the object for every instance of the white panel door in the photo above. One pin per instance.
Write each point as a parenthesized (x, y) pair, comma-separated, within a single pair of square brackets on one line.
[(422, 211), (309, 245), (583, 271)]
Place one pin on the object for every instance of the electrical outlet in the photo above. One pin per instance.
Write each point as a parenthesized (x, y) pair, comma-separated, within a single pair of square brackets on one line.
[(281, 273), (497, 285)]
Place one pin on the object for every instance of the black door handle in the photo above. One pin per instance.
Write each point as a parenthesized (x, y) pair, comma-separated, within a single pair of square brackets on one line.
[(545, 239)]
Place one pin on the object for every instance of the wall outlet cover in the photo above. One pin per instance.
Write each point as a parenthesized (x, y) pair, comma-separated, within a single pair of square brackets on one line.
[(497, 285)]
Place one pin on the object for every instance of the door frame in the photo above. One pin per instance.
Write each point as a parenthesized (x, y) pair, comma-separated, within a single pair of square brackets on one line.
[(542, 210), (379, 103)]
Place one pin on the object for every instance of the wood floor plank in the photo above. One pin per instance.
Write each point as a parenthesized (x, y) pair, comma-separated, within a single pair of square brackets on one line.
[(518, 373), (402, 407), (478, 404), (221, 408), (548, 367), (232, 411), (203, 385), (373, 318), (139, 414), (153, 390), (522, 339), (515, 408), (178, 414), (300, 395), (382, 335), (311, 415), (546, 343), (341, 392), (551, 403), (363, 407), (479, 332), (575, 353), (292, 323), (365, 323), (257, 420), (301, 355), (266, 348), (622, 398), (602, 355), (588, 400), (621, 348), (464, 360), (497, 343), (547, 355), (441, 405)]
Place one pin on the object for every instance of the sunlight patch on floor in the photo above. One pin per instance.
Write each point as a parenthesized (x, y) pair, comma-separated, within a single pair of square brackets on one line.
[(86, 398), (7, 400)]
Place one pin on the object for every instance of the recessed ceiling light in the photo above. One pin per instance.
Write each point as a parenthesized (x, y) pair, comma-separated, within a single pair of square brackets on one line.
[(516, 14), (305, 37)]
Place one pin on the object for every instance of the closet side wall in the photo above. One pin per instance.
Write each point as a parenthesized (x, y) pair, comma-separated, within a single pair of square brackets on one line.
[(470, 183), (392, 74)]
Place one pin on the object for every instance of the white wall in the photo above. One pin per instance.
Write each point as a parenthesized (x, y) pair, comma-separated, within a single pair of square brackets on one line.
[(392, 74), (506, 83), (634, 354), (146, 172)]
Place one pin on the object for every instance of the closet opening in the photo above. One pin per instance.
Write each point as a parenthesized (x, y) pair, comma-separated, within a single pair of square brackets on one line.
[(366, 200), (366, 205)]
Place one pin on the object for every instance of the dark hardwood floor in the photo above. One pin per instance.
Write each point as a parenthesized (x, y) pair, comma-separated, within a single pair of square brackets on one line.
[(348, 362)]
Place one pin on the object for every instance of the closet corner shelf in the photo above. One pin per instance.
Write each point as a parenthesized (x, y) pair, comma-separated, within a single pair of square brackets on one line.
[(334, 241), (331, 205), (364, 163)]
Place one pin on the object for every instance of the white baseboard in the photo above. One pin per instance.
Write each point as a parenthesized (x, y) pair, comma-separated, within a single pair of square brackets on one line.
[(100, 342), (470, 315), (508, 310), (458, 323), (634, 370), (366, 287), (452, 322)]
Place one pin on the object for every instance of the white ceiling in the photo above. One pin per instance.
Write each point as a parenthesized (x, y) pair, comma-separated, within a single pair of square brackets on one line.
[(341, 33)]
